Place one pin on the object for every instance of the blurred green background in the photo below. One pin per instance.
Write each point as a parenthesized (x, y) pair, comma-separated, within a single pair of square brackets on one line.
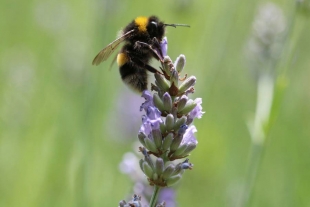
[(63, 121)]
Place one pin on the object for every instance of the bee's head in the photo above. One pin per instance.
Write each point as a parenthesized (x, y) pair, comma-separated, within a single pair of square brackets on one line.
[(155, 28), (151, 26)]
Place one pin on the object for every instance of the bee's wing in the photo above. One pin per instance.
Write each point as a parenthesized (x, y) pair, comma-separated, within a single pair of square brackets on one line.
[(107, 51)]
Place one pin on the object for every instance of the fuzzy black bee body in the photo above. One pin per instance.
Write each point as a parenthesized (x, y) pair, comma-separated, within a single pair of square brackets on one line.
[(142, 38)]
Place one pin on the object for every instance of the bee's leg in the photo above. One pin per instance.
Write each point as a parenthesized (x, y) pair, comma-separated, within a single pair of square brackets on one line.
[(156, 55), (152, 69), (157, 47), (143, 65)]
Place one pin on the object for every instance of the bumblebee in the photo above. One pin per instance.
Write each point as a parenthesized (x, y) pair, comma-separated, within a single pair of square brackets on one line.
[(142, 38)]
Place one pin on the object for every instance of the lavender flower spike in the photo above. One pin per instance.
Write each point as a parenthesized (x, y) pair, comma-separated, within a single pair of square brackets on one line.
[(166, 132)]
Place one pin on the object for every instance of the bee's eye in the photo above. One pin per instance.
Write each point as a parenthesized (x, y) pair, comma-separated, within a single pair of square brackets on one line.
[(152, 28), (154, 24)]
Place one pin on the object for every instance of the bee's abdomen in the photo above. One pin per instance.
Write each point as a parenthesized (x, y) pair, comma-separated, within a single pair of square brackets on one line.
[(134, 76), (122, 58)]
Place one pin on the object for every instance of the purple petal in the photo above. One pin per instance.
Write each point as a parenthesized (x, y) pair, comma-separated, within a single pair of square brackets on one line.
[(152, 112), (197, 111), (148, 100), (146, 127), (151, 120), (189, 135), (164, 46)]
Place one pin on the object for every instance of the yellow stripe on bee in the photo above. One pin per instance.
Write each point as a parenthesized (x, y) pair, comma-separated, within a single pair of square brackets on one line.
[(121, 59), (141, 22)]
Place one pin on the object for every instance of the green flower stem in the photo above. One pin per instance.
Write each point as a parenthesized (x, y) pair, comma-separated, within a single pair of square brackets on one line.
[(154, 196), (257, 149), (256, 154)]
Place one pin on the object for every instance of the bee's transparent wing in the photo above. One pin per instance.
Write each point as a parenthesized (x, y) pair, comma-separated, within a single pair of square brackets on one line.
[(108, 50)]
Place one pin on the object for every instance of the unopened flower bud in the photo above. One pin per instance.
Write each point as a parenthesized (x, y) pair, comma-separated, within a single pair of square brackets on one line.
[(166, 65), (141, 164), (173, 180), (157, 138), (180, 63), (167, 142), (174, 112), (182, 102), (180, 122), (169, 122), (168, 171), (179, 151), (190, 105), (174, 78), (178, 170), (167, 102), (158, 102), (190, 147), (147, 158), (175, 143), (147, 169), (150, 145), (159, 166), (141, 137), (189, 82), (162, 127), (161, 82)]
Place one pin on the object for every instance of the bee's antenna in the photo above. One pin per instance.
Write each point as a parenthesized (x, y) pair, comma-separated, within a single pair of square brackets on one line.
[(175, 25)]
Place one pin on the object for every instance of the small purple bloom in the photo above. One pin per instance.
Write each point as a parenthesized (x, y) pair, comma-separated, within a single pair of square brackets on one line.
[(188, 137), (186, 165), (148, 100), (151, 120), (197, 111), (146, 127), (153, 113), (164, 46), (183, 129)]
